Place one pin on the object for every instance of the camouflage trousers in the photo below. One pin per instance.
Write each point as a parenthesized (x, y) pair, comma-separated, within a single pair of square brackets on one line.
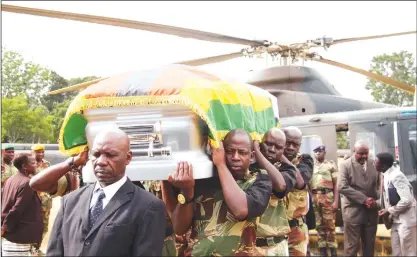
[(169, 247), (279, 249), (298, 240), (325, 219), (46, 210)]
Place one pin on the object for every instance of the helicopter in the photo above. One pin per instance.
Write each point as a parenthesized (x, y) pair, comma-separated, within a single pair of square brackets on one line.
[(300, 90)]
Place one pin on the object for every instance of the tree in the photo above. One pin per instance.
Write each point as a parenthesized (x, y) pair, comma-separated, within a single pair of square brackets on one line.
[(398, 66), (58, 82), (21, 77), (58, 114), (29, 113), (22, 123)]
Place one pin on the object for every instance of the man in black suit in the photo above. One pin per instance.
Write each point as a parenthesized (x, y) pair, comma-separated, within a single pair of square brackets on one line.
[(112, 217)]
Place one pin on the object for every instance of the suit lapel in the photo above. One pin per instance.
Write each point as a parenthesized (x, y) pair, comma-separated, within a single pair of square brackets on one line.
[(86, 198), (122, 196)]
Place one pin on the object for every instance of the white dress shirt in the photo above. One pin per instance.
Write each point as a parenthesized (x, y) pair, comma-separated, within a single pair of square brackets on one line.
[(109, 191)]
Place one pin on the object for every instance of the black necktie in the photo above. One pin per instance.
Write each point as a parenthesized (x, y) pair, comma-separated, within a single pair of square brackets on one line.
[(97, 208)]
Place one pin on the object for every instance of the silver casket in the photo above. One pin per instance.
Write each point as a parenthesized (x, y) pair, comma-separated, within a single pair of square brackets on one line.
[(160, 137)]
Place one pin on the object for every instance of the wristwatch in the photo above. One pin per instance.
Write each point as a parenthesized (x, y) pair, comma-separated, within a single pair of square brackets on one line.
[(70, 162), (183, 200)]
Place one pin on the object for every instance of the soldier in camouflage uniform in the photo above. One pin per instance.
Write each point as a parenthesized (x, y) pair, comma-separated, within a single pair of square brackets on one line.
[(297, 200), (273, 227), (325, 200), (7, 167), (38, 151), (221, 211)]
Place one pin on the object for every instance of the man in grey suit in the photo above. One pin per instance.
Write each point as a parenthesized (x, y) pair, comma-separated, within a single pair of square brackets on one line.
[(401, 215), (112, 217), (358, 187)]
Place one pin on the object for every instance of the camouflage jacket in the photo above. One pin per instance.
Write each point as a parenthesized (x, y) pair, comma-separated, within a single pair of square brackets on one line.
[(45, 197), (7, 171), (215, 231), (323, 175), (42, 165), (274, 222), (297, 200)]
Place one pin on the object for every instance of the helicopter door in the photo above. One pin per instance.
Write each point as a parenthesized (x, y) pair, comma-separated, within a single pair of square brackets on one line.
[(320, 135), (378, 134)]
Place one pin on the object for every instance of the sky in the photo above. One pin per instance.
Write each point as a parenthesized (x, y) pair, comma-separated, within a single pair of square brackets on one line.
[(77, 49)]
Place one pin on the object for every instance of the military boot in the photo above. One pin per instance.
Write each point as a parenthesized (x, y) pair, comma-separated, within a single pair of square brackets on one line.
[(323, 251), (333, 252)]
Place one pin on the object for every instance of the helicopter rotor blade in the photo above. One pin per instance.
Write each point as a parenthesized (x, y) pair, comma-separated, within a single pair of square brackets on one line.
[(345, 40), (76, 87), (212, 59), (159, 28), (384, 79), (195, 62)]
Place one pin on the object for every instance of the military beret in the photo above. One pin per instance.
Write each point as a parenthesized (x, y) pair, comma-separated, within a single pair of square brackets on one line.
[(38, 147), (7, 147), (319, 148)]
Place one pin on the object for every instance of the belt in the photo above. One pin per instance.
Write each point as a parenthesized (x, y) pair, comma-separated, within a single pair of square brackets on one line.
[(269, 241), (323, 191), (297, 222)]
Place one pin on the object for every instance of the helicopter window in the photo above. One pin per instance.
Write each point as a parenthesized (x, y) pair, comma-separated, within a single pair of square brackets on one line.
[(309, 143), (408, 155), (370, 137)]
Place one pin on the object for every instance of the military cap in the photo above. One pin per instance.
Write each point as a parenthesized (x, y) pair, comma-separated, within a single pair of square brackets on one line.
[(320, 148), (38, 147), (7, 147)]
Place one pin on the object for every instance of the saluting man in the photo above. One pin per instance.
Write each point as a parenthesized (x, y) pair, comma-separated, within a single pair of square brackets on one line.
[(325, 200)]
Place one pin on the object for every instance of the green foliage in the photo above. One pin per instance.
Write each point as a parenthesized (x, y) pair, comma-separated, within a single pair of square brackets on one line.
[(398, 66), (25, 124), (29, 114), (75, 81), (21, 77), (58, 114), (342, 140)]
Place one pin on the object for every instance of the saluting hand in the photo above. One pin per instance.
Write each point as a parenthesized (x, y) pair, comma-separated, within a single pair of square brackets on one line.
[(183, 177), (218, 154), (82, 158)]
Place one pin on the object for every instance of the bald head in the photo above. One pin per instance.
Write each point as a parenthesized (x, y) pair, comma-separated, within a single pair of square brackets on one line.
[(241, 134), (293, 132), (361, 150), (273, 145), (116, 136), (361, 144), (276, 133), (294, 138), (110, 155)]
